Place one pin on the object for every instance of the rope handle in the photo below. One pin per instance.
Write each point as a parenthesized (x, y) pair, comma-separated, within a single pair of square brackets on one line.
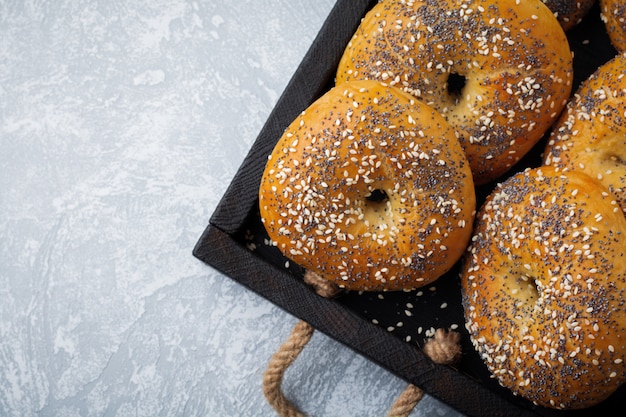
[(278, 364), (442, 348)]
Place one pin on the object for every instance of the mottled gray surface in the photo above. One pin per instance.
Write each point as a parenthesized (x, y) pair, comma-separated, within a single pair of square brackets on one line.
[(121, 125)]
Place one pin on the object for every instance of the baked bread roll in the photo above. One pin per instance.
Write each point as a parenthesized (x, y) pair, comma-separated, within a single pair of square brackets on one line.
[(569, 13), (370, 189), (544, 288), (591, 134), (500, 71), (613, 14)]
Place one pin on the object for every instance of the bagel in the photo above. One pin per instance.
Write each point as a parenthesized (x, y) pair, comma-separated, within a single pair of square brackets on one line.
[(500, 71), (613, 14), (591, 134), (569, 13), (370, 189), (543, 288)]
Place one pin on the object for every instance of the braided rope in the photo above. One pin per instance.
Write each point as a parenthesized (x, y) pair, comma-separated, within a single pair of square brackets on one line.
[(278, 364), (406, 402), (322, 287), (442, 348)]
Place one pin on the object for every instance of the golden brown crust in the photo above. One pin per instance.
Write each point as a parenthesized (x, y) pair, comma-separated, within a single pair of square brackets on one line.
[(613, 14), (591, 134), (544, 284), (512, 60), (569, 13), (370, 189)]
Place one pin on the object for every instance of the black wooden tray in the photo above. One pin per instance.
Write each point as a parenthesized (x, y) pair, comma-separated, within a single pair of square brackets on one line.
[(387, 328)]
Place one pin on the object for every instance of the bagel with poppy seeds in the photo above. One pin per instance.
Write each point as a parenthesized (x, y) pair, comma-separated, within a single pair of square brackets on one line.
[(591, 134), (500, 71), (613, 14), (569, 13), (370, 189), (543, 288)]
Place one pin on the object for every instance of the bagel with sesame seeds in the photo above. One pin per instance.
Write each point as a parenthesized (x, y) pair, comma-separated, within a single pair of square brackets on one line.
[(613, 14), (500, 71), (543, 288), (591, 134), (370, 189)]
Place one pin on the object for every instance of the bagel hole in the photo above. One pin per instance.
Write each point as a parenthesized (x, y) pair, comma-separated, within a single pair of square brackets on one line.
[(526, 289), (377, 196), (456, 83)]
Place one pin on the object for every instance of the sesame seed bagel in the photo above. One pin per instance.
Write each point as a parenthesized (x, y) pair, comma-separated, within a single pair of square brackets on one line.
[(370, 189), (543, 288), (613, 14), (500, 71), (569, 13), (591, 134)]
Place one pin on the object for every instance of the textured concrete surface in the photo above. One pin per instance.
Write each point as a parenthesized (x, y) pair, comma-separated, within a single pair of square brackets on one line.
[(121, 125)]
